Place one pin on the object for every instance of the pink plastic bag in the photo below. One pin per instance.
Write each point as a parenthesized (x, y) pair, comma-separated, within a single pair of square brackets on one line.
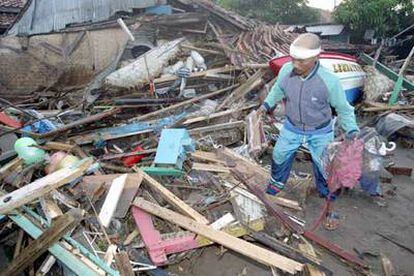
[(345, 167)]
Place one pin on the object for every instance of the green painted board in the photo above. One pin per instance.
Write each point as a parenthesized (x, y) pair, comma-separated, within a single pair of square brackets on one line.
[(66, 257), (387, 71), (83, 250), (160, 171)]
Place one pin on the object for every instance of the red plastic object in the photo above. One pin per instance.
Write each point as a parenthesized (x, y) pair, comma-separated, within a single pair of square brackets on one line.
[(9, 121), (277, 63), (132, 160)]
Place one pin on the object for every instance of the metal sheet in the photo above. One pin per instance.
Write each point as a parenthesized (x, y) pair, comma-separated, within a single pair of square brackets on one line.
[(44, 16)]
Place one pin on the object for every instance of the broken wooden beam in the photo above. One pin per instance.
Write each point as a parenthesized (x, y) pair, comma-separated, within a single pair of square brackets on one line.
[(127, 154), (87, 120), (9, 167), (111, 200), (206, 156), (210, 168), (50, 208), (255, 134), (253, 82), (160, 245), (172, 199), (294, 227), (123, 264), (287, 251), (132, 184), (42, 186), (63, 224), (79, 263), (202, 74), (259, 254), (255, 175), (387, 265), (182, 104), (237, 124)]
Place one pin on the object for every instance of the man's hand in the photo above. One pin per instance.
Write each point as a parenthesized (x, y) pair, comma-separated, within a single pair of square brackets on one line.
[(260, 111), (352, 135)]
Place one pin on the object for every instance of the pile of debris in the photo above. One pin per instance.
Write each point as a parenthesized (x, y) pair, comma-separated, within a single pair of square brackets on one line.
[(116, 134)]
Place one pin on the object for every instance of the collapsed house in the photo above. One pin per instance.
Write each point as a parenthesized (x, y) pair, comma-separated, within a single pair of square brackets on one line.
[(129, 138)]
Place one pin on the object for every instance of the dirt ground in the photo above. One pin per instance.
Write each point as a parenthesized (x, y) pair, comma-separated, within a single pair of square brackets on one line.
[(362, 218)]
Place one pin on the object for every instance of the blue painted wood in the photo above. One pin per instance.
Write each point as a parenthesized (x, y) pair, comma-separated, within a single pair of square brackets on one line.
[(172, 147), (60, 253), (83, 250), (162, 9)]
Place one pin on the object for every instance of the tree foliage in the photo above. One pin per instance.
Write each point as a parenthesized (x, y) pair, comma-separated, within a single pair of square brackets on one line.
[(274, 11), (386, 17)]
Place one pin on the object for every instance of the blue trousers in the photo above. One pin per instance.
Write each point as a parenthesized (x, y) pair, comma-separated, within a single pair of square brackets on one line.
[(284, 154)]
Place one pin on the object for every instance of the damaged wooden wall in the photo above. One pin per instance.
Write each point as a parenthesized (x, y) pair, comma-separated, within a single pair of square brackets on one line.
[(57, 60)]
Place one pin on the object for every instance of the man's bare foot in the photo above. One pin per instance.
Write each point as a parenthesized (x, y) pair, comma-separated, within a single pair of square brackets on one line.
[(332, 221)]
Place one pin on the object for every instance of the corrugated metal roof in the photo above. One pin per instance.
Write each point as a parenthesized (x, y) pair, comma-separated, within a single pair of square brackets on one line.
[(325, 30), (12, 3), (44, 16), (6, 19)]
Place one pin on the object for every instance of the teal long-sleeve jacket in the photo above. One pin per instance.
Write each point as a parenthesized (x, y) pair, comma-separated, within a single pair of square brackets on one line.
[(309, 100)]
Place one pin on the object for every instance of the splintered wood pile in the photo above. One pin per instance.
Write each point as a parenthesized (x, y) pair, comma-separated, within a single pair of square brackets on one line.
[(151, 154)]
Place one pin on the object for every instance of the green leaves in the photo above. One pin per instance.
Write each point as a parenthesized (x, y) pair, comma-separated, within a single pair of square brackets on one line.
[(274, 11), (386, 17)]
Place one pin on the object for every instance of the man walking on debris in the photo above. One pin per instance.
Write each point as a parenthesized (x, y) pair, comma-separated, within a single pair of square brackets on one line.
[(309, 91)]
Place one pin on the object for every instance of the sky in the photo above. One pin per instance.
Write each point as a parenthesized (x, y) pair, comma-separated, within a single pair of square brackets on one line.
[(324, 4)]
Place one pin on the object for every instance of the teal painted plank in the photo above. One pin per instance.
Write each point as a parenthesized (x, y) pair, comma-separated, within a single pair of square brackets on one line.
[(83, 250), (98, 261), (160, 171), (387, 71), (72, 262)]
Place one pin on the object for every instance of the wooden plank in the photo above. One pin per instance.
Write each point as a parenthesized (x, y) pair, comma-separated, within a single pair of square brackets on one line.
[(172, 199), (111, 200), (259, 254), (294, 227), (206, 156), (64, 254), (96, 185), (58, 146), (42, 186), (110, 254), (237, 124), (19, 242), (255, 175), (9, 167), (310, 269), (50, 208), (217, 115), (63, 224), (131, 187), (122, 155), (46, 265), (387, 266), (82, 121), (131, 237), (160, 245), (250, 84), (255, 134), (123, 264), (104, 135), (202, 50), (194, 75), (209, 168), (182, 104)]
